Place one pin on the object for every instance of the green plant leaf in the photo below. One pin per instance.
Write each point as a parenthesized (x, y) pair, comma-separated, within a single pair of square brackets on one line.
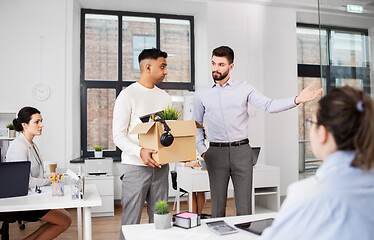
[(98, 148), (170, 113), (162, 207)]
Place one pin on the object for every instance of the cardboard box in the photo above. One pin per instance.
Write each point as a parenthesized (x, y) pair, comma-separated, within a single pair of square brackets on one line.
[(183, 147)]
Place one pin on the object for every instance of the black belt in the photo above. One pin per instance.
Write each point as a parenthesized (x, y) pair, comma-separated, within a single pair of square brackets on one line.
[(229, 144)]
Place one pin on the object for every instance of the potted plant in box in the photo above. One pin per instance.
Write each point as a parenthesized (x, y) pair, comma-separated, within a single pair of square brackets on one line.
[(12, 132), (98, 152), (162, 215), (169, 113)]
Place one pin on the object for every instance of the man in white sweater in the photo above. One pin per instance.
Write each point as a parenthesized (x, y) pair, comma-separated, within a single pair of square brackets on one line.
[(144, 179)]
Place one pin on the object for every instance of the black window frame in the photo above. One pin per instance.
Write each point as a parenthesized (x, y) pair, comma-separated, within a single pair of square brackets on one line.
[(330, 72), (119, 83)]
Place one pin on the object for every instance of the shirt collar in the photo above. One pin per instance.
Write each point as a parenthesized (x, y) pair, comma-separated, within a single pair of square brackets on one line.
[(229, 82), (335, 160)]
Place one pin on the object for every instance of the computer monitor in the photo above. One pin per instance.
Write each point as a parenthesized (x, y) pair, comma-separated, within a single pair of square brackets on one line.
[(14, 178)]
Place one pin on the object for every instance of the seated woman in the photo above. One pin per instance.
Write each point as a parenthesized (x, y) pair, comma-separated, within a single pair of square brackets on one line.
[(29, 123), (336, 203)]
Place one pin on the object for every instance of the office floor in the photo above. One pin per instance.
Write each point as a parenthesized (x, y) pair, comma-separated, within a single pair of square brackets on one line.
[(103, 227)]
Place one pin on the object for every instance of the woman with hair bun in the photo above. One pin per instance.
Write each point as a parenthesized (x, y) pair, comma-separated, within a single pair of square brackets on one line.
[(338, 201), (29, 124)]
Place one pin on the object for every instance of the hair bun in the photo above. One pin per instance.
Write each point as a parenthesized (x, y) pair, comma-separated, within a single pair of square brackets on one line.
[(17, 125)]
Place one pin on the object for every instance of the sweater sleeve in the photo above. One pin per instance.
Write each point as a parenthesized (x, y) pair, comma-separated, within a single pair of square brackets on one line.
[(121, 123)]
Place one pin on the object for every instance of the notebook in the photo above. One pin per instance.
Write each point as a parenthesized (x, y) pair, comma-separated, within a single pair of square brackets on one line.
[(256, 152), (14, 178)]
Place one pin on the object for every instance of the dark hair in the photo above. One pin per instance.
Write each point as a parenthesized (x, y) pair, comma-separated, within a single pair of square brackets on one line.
[(348, 114), (224, 51), (24, 116), (152, 53)]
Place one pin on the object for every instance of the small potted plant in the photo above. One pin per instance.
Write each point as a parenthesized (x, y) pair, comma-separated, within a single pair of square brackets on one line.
[(98, 152), (169, 113), (162, 215), (12, 132)]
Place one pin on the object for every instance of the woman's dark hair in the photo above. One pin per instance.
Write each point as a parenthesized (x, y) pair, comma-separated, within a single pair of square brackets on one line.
[(24, 116), (224, 51), (347, 113)]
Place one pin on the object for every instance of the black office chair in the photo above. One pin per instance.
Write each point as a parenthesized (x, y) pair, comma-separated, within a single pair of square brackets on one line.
[(175, 185), (7, 218)]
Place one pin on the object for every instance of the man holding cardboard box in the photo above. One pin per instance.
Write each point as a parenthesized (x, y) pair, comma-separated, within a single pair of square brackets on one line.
[(144, 179), (224, 105)]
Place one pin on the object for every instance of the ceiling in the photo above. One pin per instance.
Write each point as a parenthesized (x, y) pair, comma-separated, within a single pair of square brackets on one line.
[(332, 6)]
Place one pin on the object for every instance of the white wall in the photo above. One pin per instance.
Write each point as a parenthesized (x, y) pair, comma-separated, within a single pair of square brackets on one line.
[(22, 22), (280, 77)]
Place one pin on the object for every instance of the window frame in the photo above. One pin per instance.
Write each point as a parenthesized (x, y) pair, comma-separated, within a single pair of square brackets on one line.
[(119, 83), (331, 72)]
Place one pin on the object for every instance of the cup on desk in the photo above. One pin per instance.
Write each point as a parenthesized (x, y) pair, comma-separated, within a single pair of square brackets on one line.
[(76, 188), (58, 188), (52, 167)]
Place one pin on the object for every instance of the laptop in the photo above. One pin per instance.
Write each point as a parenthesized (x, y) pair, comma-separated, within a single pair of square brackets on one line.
[(256, 152), (14, 178)]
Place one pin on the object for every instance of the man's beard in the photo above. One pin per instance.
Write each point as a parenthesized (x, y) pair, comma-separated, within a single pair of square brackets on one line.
[(221, 76)]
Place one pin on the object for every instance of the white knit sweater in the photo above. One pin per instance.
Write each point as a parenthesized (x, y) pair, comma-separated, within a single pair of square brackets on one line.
[(133, 102)]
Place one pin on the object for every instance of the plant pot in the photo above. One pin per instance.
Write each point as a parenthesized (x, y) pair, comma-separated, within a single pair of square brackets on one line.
[(12, 133), (162, 221), (98, 154)]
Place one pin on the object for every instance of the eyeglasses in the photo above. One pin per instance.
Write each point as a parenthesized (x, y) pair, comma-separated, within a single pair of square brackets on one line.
[(309, 122)]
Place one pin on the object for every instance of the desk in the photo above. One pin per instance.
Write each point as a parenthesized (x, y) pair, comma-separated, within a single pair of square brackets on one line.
[(45, 200), (265, 192), (202, 232)]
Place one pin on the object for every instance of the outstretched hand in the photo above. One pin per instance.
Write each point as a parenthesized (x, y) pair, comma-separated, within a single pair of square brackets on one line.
[(307, 94)]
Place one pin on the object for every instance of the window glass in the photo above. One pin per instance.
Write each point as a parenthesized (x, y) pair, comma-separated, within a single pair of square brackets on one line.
[(308, 50), (175, 40), (348, 49), (109, 65), (140, 42), (101, 44), (356, 83), (138, 33), (306, 111), (100, 104)]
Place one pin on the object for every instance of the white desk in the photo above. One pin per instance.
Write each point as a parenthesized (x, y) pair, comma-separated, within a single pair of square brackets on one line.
[(202, 232), (45, 200), (265, 192)]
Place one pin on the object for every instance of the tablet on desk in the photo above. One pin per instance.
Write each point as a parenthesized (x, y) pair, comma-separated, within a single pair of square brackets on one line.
[(256, 227)]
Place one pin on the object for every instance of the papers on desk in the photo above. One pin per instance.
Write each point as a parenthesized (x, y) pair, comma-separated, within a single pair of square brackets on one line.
[(170, 235)]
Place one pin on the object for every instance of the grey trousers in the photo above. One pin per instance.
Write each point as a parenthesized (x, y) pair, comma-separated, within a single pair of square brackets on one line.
[(235, 162), (142, 184)]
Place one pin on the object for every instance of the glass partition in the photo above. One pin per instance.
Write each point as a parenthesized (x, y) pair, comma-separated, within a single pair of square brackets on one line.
[(332, 50)]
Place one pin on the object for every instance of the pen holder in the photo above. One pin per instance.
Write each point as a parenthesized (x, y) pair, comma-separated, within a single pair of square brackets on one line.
[(58, 189)]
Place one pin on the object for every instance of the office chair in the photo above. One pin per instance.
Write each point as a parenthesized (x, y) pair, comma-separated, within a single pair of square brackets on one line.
[(175, 186), (7, 218)]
